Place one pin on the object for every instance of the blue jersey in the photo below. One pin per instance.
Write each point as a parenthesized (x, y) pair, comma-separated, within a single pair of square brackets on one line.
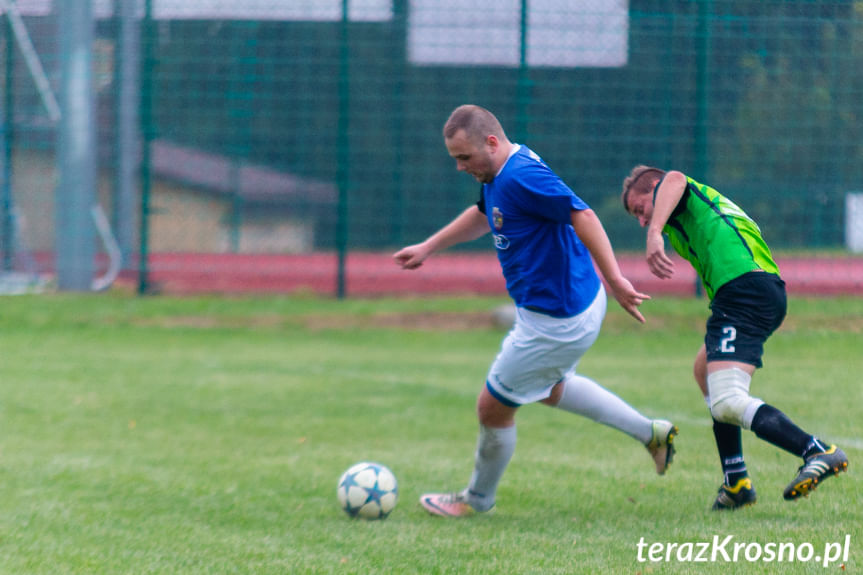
[(546, 267)]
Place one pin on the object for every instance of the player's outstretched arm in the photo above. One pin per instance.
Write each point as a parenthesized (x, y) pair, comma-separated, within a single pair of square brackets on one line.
[(469, 225), (667, 197), (590, 231)]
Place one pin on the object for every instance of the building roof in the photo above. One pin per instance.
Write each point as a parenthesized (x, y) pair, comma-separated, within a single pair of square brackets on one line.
[(219, 174)]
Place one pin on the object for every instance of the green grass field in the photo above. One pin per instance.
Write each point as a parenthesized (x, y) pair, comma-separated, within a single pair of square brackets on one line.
[(206, 435)]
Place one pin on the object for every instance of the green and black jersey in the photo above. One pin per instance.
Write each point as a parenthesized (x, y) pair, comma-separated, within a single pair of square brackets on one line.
[(716, 237)]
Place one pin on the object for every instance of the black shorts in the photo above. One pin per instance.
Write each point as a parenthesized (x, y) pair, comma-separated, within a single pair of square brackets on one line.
[(745, 311)]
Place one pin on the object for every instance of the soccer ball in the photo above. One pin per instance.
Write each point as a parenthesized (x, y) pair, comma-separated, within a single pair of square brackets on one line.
[(368, 490)]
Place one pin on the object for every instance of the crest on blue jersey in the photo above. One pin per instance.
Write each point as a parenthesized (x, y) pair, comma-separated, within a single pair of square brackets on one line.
[(497, 218)]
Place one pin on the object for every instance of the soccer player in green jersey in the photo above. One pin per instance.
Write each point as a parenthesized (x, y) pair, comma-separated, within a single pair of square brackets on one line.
[(747, 303)]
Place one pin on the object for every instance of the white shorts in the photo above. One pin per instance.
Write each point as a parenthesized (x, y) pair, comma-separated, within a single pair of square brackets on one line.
[(540, 350)]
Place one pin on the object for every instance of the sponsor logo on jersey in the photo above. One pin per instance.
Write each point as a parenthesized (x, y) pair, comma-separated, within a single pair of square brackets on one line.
[(501, 242), (497, 218)]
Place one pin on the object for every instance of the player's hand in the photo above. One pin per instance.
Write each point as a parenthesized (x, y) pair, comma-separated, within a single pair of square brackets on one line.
[(411, 257), (628, 298), (659, 263)]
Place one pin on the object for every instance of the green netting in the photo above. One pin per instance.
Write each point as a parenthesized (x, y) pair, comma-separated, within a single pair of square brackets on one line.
[(300, 127)]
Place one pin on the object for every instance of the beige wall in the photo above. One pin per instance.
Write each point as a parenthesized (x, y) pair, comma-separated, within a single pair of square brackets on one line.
[(182, 219)]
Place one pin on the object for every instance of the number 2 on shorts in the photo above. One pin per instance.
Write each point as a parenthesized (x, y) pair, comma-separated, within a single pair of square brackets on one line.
[(726, 342)]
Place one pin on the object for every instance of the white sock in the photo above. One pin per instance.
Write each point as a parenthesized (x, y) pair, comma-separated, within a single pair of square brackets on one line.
[(586, 397), (493, 452)]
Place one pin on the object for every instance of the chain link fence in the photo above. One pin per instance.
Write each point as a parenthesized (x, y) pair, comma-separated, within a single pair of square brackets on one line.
[(283, 141)]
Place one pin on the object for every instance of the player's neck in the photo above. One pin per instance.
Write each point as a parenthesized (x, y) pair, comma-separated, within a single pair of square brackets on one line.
[(505, 151)]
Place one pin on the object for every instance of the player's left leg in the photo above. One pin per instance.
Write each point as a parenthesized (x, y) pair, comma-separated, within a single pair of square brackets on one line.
[(583, 396), (745, 312), (578, 394), (732, 404), (736, 490)]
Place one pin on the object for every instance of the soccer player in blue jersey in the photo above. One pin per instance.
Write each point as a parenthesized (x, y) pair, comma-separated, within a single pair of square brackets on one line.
[(545, 236), (748, 303)]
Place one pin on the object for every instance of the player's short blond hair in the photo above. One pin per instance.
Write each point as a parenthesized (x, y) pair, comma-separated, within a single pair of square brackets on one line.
[(637, 182), (477, 123)]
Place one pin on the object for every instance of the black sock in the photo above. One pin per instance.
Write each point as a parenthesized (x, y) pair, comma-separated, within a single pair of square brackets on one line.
[(813, 447), (730, 452), (773, 426)]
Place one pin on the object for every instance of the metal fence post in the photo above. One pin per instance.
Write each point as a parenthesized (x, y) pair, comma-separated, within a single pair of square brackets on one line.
[(147, 132), (7, 241), (76, 190), (343, 153), (128, 149)]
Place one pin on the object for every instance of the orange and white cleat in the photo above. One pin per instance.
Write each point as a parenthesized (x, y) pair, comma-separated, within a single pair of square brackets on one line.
[(448, 504)]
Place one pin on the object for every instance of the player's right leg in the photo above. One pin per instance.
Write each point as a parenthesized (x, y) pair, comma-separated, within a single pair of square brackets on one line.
[(731, 404), (521, 373), (455, 504), (744, 312), (814, 470), (495, 446)]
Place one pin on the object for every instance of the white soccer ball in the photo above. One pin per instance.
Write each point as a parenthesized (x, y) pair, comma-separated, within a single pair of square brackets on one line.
[(368, 490)]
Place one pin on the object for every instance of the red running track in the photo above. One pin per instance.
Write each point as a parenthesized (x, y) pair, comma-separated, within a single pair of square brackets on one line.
[(375, 274)]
